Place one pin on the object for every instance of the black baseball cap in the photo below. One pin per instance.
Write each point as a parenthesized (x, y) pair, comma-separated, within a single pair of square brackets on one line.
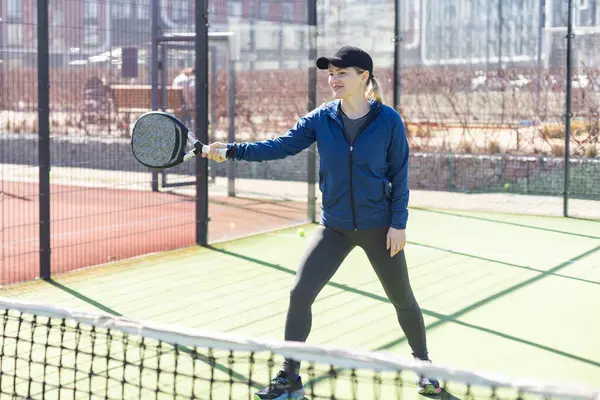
[(348, 56)]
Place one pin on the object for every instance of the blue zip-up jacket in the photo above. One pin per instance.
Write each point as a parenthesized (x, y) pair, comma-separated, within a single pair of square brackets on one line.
[(365, 183)]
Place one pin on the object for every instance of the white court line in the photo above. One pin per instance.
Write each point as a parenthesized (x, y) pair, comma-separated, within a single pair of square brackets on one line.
[(98, 229), (432, 249)]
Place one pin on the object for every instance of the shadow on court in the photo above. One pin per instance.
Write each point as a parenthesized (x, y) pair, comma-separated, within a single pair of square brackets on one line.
[(443, 319), (204, 358)]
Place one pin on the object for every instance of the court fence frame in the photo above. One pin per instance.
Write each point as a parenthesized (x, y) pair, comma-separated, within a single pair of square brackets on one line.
[(200, 40)]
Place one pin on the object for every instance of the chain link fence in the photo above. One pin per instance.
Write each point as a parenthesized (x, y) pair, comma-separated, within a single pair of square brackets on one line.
[(481, 85)]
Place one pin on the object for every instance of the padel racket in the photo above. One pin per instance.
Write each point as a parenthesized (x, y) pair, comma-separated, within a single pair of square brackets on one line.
[(159, 140)]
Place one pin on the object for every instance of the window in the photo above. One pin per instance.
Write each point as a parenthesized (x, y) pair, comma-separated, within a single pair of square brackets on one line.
[(584, 4), (180, 10), (58, 17), (57, 21), (57, 42), (14, 10), (14, 34), (288, 11), (91, 10), (264, 9), (120, 9), (143, 9), (559, 18), (234, 8), (90, 35)]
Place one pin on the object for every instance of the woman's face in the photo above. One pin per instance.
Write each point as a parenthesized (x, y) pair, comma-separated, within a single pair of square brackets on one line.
[(346, 82)]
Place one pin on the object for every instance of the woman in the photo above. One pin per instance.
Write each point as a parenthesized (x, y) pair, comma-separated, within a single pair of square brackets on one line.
[(364, 180)]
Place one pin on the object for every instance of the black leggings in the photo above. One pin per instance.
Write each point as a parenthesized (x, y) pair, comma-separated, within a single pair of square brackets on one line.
[(326, 251)]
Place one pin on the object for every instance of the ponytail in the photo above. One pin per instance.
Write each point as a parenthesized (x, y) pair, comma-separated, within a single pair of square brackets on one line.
[(373, 90)]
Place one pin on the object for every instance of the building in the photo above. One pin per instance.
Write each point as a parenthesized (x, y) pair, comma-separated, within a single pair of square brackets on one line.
[(79, 28), (274, 33)]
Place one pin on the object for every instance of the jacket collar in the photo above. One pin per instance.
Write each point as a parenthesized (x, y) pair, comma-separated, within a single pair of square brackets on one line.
[(333, 108)]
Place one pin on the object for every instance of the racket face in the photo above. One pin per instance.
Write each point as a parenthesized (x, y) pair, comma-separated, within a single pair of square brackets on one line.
[(158, 141)]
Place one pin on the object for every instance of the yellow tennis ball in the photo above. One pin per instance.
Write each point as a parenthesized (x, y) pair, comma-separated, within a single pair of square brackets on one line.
[(300, 232)]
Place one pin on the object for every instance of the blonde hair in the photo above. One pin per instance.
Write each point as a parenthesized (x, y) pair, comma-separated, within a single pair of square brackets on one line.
[(373, 90)]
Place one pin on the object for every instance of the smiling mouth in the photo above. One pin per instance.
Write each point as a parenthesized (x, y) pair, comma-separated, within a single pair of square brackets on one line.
[(337, 87)]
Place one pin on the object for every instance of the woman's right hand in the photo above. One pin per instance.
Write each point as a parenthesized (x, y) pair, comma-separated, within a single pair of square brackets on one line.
[(213, 154)]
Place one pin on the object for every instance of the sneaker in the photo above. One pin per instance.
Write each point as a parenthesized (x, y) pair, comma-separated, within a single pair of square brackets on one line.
[(281, 388), (428, 386)]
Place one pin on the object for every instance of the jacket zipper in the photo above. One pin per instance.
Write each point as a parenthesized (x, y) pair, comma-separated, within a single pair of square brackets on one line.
[(351, 163), (350, 156), (351, 187)]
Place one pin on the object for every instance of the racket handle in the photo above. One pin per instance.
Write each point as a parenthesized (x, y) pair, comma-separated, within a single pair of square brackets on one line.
[(221, 152), (190, 154)]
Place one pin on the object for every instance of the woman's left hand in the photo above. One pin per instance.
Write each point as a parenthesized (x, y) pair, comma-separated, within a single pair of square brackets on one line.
[(395, 241)]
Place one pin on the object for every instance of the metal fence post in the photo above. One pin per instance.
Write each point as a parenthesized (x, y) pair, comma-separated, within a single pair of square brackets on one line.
[(44, 137), (231, 92), (540, 50), (213, 102), (312, 103), (201, 117), (164, 76), (155, 10), (397, 42), (500, 44), (568, 110)]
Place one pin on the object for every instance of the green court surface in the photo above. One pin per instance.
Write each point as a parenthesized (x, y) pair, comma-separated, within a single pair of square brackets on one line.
[(508, 294)]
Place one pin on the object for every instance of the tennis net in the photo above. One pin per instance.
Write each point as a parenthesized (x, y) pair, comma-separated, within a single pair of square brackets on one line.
[(55, 353)]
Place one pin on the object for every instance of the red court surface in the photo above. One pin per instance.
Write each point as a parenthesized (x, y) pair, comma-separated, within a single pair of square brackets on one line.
[(91, 226)]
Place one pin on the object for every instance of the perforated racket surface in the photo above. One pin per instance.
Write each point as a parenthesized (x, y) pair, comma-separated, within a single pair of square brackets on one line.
[(159, 139)]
